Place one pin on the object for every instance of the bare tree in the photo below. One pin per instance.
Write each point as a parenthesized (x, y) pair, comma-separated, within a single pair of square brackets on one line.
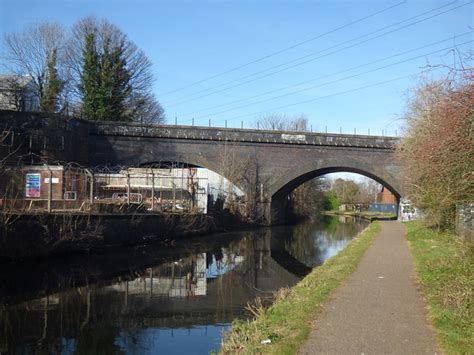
[(436, 153), (146, 109), (279, 122), (28, 52), (5, 135), (346, 190), (244, 172), (368, 191), (9, 183)]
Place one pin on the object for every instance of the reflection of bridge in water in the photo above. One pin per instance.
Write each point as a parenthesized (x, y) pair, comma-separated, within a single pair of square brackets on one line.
[(208, 284), (207, 287)]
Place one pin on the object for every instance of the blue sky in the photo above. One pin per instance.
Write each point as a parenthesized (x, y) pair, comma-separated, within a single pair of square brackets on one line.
[(189, 41)]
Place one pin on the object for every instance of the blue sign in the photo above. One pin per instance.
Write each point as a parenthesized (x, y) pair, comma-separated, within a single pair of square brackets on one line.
[(33, 185)]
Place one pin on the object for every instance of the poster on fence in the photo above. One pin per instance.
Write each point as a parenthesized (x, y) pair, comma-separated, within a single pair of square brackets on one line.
[(33, 185)]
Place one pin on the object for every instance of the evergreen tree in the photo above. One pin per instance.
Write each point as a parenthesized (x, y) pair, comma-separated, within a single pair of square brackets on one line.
[(121, 89), (105, 109), (90, 80), (105, 82), (115, 87), (53, 87)]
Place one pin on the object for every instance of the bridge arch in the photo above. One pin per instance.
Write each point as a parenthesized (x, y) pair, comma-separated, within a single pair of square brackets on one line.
[(192, 162), (384, 173)]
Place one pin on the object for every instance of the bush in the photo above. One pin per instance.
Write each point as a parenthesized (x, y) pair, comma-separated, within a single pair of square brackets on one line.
[(437, 152)]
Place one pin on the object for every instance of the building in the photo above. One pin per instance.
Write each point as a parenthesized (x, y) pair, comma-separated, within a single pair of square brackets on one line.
[(17, 93), (37, 187), (386, 197)]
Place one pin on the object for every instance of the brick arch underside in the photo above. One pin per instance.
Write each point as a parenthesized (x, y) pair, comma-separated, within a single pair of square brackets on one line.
[(198, 162), (383, 174), (288, 182)]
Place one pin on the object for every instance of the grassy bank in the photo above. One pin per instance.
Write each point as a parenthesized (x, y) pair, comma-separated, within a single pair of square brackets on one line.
[(372, 216), (445, 266), (287, 322)]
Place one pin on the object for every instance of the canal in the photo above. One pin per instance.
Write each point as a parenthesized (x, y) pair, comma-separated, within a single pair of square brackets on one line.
[(176, 297)]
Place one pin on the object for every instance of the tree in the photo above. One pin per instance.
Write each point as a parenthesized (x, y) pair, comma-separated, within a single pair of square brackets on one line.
[(283, 123), (90, 80), (53, 86), (123, 60), (115, 83), (437, 150), (244, 172), (145, 108), (31, 53), (309, 198), (368, 190), (331, 202), (346, 191), (46, 51), (104, 82)]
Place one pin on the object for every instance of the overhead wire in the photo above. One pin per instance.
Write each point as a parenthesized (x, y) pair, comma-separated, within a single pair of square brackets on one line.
[(326, 96), (321, 56), (335, 81), (283, 50), (193, 113)]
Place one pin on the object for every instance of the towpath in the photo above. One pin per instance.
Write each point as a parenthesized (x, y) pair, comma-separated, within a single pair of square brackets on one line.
[(379, 308)]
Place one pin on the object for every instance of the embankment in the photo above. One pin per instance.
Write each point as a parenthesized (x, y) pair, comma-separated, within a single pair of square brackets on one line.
[(39, 235)]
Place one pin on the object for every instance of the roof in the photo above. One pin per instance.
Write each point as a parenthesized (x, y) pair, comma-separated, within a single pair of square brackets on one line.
[(6, 81)]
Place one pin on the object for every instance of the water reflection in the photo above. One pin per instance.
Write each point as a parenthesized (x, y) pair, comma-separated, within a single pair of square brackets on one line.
[(173, 298), (313, 242)]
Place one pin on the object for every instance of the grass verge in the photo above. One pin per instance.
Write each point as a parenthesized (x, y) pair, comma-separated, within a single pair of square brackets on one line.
[(287, 322), (445, 267)]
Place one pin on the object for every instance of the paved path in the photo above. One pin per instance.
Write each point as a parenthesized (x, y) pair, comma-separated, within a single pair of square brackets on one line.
[(378, 310)]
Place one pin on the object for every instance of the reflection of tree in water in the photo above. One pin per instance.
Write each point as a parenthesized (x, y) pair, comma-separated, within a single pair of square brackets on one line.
[(99, 341), (165, 295), (43, 325), (308, 242), (205, 285)]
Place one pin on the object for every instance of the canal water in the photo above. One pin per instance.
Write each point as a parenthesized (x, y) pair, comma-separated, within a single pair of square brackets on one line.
[(168, 298)]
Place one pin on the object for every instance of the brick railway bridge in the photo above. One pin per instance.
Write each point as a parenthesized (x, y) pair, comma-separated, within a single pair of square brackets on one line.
[(266, 164)]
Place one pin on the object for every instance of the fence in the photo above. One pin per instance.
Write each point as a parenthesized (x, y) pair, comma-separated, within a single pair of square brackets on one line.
[(73, 188), (465, 220), (383, 207)]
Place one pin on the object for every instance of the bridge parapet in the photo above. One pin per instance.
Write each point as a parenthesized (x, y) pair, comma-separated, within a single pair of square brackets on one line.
[(241, 135), (274, 161)]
